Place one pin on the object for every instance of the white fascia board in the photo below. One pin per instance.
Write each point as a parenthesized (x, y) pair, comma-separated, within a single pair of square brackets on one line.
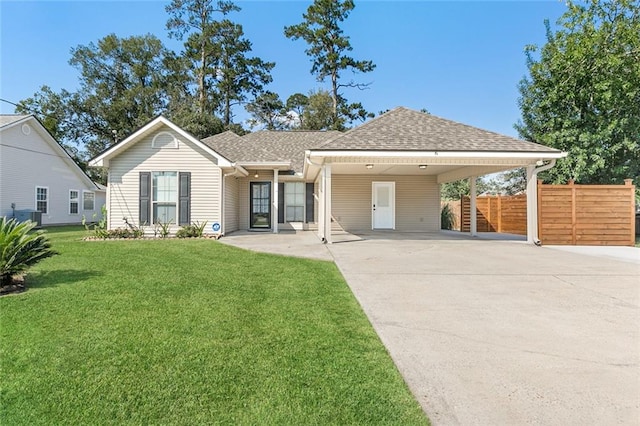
[(15, 123), (237, 169), (280, 165), (102, 160), (440, 154)]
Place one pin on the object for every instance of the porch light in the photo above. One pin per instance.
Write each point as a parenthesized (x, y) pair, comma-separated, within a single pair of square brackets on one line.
[(422, 166), (256, 175), (369, 166)]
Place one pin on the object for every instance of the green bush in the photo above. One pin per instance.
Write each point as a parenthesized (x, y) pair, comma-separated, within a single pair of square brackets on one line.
[(20, 248), (195, 230), (447, 218)]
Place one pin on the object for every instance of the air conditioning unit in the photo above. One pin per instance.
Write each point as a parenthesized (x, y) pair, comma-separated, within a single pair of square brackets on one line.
[(32, 215)]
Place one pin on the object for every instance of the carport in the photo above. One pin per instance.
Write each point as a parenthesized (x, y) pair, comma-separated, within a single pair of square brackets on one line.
[(386, 174)]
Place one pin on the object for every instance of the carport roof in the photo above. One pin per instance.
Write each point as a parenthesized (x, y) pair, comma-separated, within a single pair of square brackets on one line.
[(402, 129)]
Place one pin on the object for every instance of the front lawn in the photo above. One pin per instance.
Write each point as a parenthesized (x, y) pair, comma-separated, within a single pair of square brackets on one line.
[(191, 332)]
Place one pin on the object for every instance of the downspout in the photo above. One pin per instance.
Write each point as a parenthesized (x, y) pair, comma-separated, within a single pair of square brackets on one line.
[(532, 200)]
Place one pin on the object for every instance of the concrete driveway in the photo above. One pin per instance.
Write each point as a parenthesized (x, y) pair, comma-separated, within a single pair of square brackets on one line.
[(495, 332)]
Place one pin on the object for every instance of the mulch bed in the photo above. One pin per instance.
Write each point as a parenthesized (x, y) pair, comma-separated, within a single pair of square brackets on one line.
[(17, 286)]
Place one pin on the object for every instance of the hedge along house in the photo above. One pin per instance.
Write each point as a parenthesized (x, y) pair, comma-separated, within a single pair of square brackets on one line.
[(382, 175)]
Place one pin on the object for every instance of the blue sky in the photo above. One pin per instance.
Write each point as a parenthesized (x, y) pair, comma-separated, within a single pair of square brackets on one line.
[(461, 60)]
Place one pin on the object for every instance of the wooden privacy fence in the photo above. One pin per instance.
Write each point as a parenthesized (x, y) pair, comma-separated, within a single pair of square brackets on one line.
[(586, 214), (567, 214), (496, 214)]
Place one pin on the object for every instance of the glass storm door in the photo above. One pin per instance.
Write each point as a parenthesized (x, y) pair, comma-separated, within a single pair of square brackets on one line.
[(260, 205), (383, 214)]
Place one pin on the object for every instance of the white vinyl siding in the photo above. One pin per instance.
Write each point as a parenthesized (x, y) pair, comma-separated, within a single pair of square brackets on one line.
[(231, 204), (74, 201), (124, 179), (27, 161), (417, 202)]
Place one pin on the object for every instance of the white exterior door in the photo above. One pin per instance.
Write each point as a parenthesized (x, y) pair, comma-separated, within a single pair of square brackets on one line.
[(384, 205)]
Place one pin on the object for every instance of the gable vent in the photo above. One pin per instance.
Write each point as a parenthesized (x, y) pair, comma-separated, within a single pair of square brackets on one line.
[(26, 129)]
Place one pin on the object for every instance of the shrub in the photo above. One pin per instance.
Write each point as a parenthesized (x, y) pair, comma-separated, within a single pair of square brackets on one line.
[(447, 218), (195, 230), (99, 228), (20, 248)]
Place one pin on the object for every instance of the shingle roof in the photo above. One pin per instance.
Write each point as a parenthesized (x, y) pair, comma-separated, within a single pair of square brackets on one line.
[(402, 129), (291, 145), (6, 119), (268, 146)]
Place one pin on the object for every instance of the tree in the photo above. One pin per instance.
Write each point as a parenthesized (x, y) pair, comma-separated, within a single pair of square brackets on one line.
[(217, 56), (267, 110), (196, 17), (328, 49), (454, 190), (582, 94), (318, 114), (237, 74), (295, 106), (121, 88)]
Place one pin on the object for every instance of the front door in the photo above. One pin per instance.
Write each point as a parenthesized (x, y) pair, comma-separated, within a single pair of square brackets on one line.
[(260, 205), (383, 209)]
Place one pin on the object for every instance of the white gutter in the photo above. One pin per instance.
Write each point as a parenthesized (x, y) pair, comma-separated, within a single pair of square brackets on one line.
[(532, 200), (446, 154)]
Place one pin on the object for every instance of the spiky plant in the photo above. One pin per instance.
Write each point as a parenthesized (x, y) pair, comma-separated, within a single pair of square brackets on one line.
[(20, 248)]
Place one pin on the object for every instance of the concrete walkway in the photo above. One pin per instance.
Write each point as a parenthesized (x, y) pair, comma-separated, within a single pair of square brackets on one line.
[(496, 332)]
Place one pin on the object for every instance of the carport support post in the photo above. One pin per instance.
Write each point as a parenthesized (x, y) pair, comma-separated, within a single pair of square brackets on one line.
[(274, 216), (472, 208), (532, 204), (326, 175)]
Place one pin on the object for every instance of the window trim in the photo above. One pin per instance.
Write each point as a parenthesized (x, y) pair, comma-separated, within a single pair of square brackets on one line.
[(77, 201), (46, 200), (175, 141), (94, 201)]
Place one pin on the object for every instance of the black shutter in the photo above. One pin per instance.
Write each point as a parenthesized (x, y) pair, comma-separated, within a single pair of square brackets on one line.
[(280, 202), (184, 199), (145, 199), (310, 203)]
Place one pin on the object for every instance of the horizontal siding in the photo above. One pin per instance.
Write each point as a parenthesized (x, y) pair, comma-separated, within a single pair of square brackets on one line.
[(231, 203), (27, 161), (124, 172), (417, 202)]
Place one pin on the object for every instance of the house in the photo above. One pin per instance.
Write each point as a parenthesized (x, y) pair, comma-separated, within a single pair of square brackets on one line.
[(382, 175), (37, 174)]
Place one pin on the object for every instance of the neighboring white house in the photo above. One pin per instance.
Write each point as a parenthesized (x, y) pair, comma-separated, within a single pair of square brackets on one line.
[(37, 174), (382, 175)]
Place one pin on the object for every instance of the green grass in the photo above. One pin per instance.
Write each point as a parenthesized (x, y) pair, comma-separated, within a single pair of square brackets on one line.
[(191, 332)]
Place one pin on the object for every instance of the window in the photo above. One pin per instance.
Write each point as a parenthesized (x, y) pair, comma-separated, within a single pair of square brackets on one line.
[(165, 196), (88, 200), (294, 201), (74, 201), (42, 199), (164, 140)]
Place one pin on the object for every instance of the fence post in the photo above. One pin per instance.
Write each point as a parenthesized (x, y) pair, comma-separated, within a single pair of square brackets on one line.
[(632, 237), (572, 185), (499, 213)]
